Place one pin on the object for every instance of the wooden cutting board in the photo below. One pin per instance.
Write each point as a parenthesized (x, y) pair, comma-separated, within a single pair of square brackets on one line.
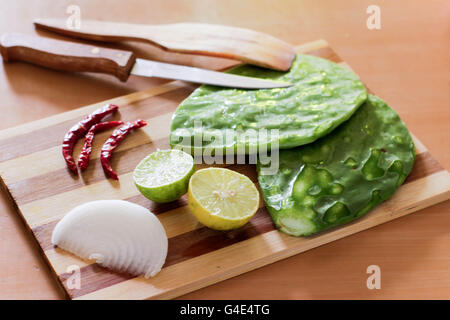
[(34, 173)]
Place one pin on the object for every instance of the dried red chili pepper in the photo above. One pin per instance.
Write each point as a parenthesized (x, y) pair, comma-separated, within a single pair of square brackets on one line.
[(111, 144), (79, 130), (83, 158)]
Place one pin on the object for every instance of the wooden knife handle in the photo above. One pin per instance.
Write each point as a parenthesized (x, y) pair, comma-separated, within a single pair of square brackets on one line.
[(66, 56), (194, 38)]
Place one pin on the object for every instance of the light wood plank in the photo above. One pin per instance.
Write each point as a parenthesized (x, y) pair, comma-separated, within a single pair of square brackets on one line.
[(80, 112), (311, 46), (52, 209), (270, 247), (49, 160), (61, 260)]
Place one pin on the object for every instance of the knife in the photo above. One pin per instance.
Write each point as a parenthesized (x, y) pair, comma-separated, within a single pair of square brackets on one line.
[(241, 44), (69, 56)]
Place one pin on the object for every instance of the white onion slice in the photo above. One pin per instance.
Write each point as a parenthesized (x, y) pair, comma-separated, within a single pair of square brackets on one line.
[(117, 234)]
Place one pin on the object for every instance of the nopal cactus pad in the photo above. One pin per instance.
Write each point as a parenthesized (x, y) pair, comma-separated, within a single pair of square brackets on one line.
[(341, 176), (323, 95)]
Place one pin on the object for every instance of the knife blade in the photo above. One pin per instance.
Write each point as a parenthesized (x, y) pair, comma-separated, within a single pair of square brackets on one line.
[(147, 68), (69, 56)]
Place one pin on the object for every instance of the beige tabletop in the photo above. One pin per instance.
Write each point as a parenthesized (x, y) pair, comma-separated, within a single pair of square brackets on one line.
[(406, 63)]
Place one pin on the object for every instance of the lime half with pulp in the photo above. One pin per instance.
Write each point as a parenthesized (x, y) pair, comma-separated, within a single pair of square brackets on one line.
[(163, 176), (222, 199)]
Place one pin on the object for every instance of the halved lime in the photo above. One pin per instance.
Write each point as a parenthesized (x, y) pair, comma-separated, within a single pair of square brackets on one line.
[(163, 175), (222, 199)]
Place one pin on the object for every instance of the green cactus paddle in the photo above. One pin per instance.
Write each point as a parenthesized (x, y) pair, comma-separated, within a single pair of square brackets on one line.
[(341, 176), (323, 96)]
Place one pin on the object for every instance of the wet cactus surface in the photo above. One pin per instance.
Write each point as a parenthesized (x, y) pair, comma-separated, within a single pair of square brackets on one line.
[(341, 176), (323, 96)]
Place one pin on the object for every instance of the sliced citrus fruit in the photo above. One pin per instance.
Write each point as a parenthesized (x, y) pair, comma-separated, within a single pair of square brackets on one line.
[(163, 175), (222, 199)]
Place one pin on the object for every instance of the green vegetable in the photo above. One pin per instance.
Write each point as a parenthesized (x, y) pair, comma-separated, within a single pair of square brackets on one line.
[(341, 176), (163, 176), (323, 96)]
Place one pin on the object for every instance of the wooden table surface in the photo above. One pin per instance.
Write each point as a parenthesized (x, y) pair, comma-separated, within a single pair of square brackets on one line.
[(406, 63)]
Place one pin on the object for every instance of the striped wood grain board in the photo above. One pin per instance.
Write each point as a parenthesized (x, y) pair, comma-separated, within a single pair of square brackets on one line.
[(34, 173)]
